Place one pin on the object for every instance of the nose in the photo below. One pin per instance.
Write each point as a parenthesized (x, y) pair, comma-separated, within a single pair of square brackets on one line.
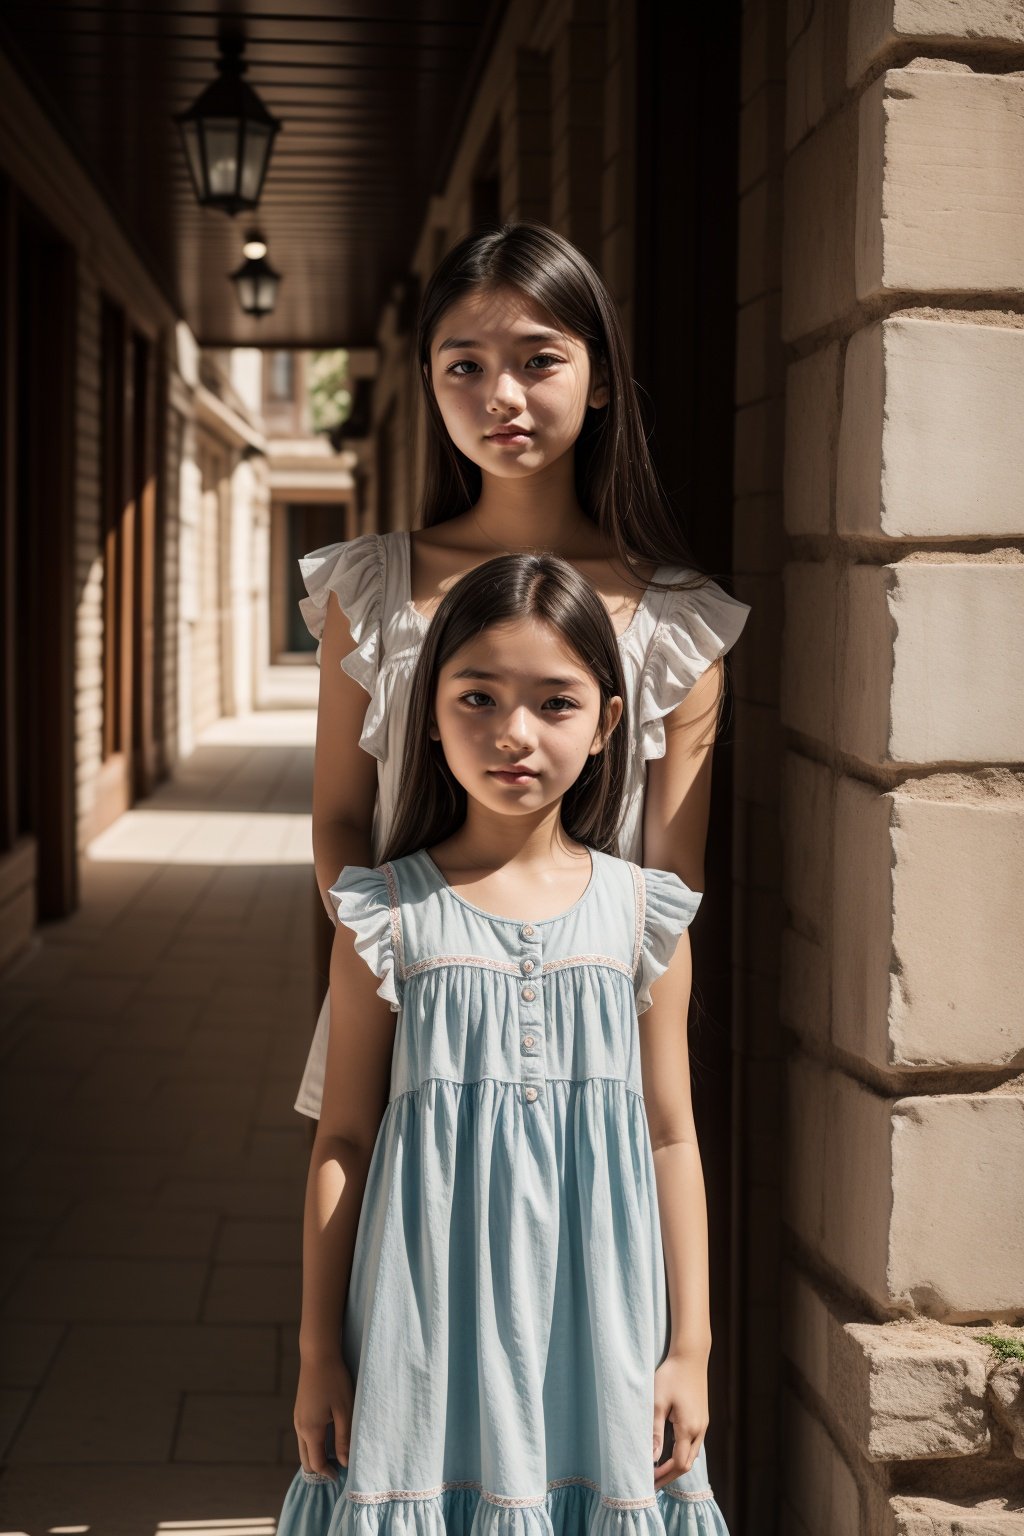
[(507, 395), (517, 732)]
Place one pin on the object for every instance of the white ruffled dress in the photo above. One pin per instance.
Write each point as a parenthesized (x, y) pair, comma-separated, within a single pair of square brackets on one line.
[(507, 1305), (670, 642)]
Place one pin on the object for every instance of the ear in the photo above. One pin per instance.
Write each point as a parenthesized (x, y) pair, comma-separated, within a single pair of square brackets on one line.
[(613, 716), (435, 734)]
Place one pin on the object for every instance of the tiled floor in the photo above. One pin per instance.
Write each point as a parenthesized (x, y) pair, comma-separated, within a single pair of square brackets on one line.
[(154, 1168)]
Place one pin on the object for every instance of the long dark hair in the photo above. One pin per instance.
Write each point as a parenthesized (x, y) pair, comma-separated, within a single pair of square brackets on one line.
[(617, 484), (431, 801)]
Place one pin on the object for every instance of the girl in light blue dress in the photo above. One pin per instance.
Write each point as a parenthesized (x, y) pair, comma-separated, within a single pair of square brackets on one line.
[(505, 1324)]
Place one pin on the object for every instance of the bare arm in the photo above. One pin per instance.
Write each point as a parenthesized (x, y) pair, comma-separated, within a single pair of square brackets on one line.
[(356, 1086), (665, 1065), (344, 775), (678, 794), (681, 1379)]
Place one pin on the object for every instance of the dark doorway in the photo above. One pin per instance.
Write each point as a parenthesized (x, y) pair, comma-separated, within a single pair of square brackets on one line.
[(40, 480), (310, 526), (685, 295)]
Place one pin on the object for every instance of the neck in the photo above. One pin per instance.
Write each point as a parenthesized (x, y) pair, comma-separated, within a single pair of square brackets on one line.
[(538, 511), (488, 840)]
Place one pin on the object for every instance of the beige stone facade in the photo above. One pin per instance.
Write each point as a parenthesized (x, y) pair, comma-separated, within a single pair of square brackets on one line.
[(896, 176)]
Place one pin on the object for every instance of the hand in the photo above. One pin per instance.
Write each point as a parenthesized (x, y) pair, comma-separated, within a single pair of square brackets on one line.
[(681, 1395), (325, 1394)]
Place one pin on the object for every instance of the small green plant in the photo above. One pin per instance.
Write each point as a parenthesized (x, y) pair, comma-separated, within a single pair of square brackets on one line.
[(1006, 1349), (330, 397)]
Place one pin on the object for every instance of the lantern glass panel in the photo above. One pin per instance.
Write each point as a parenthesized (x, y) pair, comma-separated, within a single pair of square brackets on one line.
[(193, 149), (266, 292), (246, 293), (222, 156), (254, 159)]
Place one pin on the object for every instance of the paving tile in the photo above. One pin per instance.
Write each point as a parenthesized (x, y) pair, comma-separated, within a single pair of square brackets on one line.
[(65, 1041), (26, 1351), (101, 1289), (164, 1180), (108, 1228), (105, 1421), (254, 1293), (260, 1242), (122, 1500), (231, 1427), (233, 1197), (14, 1405), (63, 1175)]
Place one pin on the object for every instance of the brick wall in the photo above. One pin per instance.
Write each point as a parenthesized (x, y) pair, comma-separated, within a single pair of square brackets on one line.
[(903, 805)]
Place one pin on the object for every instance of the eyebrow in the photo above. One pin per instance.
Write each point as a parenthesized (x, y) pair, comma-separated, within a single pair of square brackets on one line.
[(496, 677), (457, 344)]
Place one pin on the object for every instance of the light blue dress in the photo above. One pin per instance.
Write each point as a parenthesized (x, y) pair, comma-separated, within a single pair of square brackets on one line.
[(508, 1304)]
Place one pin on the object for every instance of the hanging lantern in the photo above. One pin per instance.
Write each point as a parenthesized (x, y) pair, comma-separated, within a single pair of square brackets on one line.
[(255, 281), (228, 134)]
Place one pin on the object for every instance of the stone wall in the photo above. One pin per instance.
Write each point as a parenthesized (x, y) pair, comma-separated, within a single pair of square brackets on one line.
[(902, 698)]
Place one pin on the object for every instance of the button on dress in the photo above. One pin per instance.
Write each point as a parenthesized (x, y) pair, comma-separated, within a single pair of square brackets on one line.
[(507, 1305)]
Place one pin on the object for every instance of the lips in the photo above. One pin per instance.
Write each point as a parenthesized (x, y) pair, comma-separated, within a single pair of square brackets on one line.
[(505, 434), (516, 771)]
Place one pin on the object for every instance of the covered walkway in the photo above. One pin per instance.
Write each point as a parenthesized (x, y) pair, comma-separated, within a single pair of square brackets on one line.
[(154, 1167)]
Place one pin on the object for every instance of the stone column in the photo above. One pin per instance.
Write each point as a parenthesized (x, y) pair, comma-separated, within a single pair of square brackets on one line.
[(903, 803)]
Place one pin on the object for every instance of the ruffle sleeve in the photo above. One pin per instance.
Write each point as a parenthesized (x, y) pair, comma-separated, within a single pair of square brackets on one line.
[(362, 902), (669, 907), (696, 626), (353, 571)]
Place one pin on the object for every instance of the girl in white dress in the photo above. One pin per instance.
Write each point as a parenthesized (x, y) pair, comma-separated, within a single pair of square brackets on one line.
[(535, 442)]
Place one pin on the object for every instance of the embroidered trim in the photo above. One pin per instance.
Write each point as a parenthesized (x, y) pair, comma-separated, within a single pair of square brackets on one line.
[(609, 960), (639, 912), (396, 924), (688, 1496), (482, 962), (502, 1500), (508, 967)]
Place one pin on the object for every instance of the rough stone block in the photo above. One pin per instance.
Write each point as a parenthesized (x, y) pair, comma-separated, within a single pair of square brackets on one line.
[(818, 245), (804, 987), (922, 1516), (877, 25), (758, 448), (817, 1480), (914, 1200), (932, 669), (808, 647), (807, 841), (758, 350), (861, 938), (1006, 1394), (816, 68), (904, 1391), (929, 442), (939, 204), (812, 417), (956, 1247), (928, 890)]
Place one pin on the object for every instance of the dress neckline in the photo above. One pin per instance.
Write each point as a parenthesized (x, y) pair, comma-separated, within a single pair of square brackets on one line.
[(497, 917), (424, 619)]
